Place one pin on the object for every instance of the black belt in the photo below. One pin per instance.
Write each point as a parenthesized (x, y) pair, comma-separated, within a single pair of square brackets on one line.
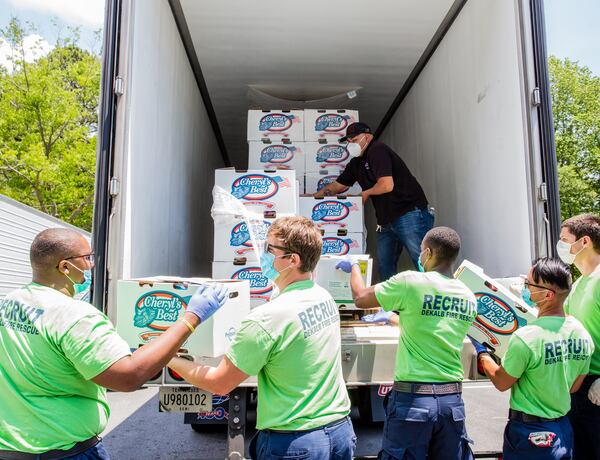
[(428, 388), (329, 425), (55, 454), (518, 416)]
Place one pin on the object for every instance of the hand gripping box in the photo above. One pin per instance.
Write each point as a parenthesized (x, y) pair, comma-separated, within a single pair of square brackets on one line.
[(316, 181), (330, 156), (334, 213), (277, 155), (148, 307), (276, 125), (261, 287), (342, 243), (327, 125), (232, 240), (499, 312), (337, 282), (261, 190)]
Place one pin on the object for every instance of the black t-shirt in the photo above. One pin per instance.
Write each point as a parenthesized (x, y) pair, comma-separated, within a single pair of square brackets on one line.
[(379, 161)]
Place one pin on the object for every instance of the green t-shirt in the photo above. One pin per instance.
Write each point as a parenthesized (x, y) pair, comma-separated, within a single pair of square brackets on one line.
[(293, 344), (547, 356), (50, 347), (584, 304), (435, 315)]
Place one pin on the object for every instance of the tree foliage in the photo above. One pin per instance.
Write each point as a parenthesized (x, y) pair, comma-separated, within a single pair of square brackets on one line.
[(48, 126), (576, 110)]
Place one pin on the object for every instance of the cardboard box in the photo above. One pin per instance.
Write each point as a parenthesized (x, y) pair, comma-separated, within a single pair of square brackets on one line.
[(261, 190), (150, 306), (333, 213), (232, 240), (331, 156), (337, 282), (276, 125), (316, 181), (277, 155), (500, 312), (261, 287), (335, 244), (327, 125)]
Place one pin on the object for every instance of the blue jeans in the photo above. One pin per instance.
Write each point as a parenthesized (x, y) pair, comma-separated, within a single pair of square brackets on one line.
[(522, 441), (336, 442), (96, 452), (407, 231), (585, 419), (425, 427)]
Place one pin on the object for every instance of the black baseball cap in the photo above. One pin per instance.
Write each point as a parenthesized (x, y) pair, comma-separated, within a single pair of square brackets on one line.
[(354, 129)]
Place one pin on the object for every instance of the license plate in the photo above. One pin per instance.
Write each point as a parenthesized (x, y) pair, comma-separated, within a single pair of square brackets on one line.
[(184, 399)]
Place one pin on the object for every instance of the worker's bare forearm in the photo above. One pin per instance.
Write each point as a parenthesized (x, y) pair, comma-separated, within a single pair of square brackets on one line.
[(196, 374), (330, 189), (364, 297)]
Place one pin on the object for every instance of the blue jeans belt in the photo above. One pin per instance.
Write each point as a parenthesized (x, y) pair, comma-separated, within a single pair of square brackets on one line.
[(518, 416), (428, 388), (78, 448), (329, 425)]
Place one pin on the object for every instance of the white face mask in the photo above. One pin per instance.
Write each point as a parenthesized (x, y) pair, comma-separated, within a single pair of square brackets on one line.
[(564, 251), (353, 149)]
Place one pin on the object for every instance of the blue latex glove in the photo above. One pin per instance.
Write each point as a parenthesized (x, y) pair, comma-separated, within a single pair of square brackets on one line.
[(345, 265), (207, 300), (479, 348), (381, 316)]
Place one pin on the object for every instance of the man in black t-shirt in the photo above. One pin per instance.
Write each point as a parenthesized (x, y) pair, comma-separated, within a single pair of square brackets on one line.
[(403, 216)]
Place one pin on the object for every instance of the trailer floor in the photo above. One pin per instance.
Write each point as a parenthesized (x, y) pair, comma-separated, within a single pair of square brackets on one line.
[(137, 430)]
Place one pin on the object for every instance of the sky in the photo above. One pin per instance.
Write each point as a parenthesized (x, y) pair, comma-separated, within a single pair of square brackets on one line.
[(572, 26)]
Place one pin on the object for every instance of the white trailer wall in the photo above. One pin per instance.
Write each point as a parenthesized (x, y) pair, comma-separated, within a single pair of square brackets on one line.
[(165, 154), (19, 224), (460, 131)]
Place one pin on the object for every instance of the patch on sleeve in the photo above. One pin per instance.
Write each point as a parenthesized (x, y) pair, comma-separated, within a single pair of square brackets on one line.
[(542, 438)]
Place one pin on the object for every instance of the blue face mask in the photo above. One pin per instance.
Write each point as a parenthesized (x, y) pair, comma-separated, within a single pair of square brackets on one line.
[(526, 295), (266, 265), (82, 289)]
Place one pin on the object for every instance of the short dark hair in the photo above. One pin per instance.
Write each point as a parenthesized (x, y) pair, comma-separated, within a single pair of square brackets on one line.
[(301, 236), (52, 245), (444, 243), (585, 225), (552, 271)]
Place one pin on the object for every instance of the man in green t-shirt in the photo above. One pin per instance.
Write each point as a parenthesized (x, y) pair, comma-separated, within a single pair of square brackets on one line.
[(580, 245), (545, 362), (425, 413), (293, 344), (58, 354)]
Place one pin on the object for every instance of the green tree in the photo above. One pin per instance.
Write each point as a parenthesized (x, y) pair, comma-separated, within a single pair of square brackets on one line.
[(48, 127), (576, 109)]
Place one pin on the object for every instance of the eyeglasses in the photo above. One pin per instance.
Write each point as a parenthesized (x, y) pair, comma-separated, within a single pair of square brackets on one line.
[(526, 283), (267, 248), (87, 257)]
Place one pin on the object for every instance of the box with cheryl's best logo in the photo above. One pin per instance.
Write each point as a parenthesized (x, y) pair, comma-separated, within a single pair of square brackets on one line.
[(334, 213), (261, 287), (232, 240), (276, 125), (277, 155), (315, 181), (330, 156), (337, 282), (342, 243), (499, 311), (149, 306), (327, 125), (261, 190)]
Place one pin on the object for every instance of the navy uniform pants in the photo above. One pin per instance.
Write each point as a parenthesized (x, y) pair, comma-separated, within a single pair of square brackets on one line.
[(585, 419), (538, 441), (425, 427)]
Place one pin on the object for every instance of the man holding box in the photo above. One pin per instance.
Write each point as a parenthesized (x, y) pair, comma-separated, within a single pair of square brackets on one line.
[(580, 245), (425, 413), (293, 344), (403, 216), (58, 354), (545, 362)]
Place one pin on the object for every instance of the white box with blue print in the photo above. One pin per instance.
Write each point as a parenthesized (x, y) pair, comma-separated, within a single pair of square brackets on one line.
[(149, 306), (277, 155), (315, 181), (331, 214), (275, 125), (261, 287), (499, 312), (327, 125)]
